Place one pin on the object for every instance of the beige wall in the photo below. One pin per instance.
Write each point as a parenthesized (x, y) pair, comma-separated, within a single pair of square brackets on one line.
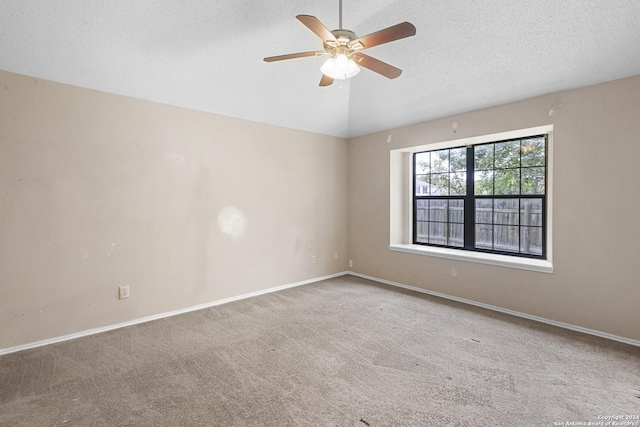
[(596, 231), (99, 190)]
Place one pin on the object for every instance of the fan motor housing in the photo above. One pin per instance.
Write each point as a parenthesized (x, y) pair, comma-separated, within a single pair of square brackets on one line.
[(343, 37), (344, 34)]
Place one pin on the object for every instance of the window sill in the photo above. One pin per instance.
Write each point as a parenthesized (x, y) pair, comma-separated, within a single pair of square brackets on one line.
[(543, 266)]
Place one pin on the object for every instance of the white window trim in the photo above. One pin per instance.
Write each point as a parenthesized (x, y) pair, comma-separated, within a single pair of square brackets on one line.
[(401, 202)]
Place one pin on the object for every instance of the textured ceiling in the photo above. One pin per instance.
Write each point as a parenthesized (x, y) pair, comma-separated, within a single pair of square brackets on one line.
[(207, 54)]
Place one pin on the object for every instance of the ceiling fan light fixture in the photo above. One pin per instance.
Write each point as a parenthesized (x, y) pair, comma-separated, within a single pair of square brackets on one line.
[(340, 67)]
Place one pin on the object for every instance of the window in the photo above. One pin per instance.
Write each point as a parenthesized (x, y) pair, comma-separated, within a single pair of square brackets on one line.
[(486, 197)]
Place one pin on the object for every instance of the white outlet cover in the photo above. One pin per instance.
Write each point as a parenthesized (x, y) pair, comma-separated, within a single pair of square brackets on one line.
[(123, 291)]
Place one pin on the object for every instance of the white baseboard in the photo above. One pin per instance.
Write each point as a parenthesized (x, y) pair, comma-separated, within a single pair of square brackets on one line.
[(504, 310), (162, 315), (306, 282)]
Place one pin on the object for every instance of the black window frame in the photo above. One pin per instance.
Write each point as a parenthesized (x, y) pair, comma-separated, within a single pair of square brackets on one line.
[(469, 201)]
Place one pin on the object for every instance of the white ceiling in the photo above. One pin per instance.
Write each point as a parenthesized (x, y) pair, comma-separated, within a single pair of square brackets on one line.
[(207, 54)]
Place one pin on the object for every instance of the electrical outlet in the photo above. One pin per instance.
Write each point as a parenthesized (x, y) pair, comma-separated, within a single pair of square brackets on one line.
[(123, 291), (454, 271), (313, 259), (335, 255), (350, 264)]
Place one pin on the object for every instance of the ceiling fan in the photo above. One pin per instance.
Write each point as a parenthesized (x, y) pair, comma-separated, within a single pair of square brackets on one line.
[(346, 49)]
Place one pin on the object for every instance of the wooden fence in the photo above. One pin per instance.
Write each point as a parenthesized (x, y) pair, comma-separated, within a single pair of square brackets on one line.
[(509, 225)]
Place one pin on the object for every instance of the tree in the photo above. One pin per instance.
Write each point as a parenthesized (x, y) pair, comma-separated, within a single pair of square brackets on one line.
[(510, 167), (445, 171)]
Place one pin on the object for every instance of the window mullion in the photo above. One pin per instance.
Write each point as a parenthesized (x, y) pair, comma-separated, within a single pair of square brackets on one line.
[(469, 203), (415, 203)]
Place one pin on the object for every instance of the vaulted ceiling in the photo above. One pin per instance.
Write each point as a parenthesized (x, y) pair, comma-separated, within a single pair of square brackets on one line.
[(207, 54)]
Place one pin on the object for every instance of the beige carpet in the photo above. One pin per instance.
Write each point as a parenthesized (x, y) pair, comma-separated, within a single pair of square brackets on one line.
[(343, 352)]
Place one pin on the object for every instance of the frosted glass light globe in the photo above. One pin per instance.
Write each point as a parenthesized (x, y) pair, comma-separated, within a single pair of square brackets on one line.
[(340, 67)]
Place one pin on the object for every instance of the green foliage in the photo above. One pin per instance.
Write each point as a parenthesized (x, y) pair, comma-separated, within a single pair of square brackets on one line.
[(510, 167), (502, 168), (446, 171)]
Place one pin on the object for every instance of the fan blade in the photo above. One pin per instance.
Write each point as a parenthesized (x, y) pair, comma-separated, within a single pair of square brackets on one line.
[(314, 24), (376, 65), (396, 32), (326, 81), (294, 55)]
